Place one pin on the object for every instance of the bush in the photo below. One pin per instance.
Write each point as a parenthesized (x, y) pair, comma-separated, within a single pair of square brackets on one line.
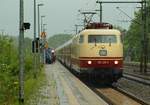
[(9, 68)]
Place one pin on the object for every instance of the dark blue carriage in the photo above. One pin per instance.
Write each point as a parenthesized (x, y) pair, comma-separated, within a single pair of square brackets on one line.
[(50, 55)]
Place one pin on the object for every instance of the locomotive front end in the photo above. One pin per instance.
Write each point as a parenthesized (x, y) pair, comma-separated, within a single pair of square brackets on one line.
[(102, 52)]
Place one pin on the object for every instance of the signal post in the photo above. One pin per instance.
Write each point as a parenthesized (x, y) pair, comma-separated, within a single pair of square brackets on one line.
[(43, 45), (22, 26)]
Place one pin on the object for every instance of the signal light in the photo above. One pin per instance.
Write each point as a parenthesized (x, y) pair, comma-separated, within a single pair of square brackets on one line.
[(26, 26), (53, 51), (35, 45)]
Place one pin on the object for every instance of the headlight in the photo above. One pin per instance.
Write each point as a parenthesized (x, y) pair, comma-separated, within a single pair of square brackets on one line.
[(116, 62), (53, 51), (89, 62)]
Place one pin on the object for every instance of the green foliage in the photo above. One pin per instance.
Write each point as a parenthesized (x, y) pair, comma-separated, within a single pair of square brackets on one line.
[(8, 64), (133, 38), (28, 55), (9, 68), (58, 40), (31, 84)]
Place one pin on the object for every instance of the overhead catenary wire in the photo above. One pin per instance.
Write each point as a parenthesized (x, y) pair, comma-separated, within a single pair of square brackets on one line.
[(118, 8)]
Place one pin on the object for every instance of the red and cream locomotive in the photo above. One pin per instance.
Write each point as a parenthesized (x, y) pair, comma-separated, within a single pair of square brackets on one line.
[(98, 49)]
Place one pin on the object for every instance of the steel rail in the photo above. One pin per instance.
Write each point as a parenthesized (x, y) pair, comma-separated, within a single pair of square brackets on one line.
[(132, 96), (108, 100), (136, 78), (117, 88)]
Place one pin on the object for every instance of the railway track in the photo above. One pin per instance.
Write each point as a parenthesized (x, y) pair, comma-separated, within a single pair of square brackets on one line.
[(137, 78), (141, 101), (117, 96)]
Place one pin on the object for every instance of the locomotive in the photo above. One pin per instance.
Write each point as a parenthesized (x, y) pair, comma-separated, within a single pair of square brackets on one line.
[(97, 50)]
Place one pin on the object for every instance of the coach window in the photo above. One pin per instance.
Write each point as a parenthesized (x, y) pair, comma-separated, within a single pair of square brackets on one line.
[(81, 39)]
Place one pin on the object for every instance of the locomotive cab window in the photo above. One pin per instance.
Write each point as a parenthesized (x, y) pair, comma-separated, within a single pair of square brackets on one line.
[(81, 39), (102, 39)]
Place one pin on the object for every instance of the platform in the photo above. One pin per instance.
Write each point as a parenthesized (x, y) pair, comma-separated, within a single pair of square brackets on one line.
[(69, 89)]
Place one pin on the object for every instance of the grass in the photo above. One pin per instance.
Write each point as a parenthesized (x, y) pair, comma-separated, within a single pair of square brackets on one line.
[(31, 86)]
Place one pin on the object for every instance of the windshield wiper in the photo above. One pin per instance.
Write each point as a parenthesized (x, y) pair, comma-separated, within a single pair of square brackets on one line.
[(109, 42), (95, 41)]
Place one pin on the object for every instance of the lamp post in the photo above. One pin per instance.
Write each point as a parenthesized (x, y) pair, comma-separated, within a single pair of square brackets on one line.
[(39, 59), (34, 19), (35, 55), (44, 42), (42, 23), (39, 19), (44, 27), (21, 54)]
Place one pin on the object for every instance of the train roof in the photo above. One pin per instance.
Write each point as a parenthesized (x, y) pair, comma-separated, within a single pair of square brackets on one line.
[(100, 31), (63, 45), (92, 32)]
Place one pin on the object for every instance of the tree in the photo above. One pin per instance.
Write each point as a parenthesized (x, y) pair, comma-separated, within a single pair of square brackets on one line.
[(133, 38)]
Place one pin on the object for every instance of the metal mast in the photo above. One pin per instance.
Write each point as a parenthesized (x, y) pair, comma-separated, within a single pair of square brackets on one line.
[(39, 58), (21, 53), (34, 60), (100, 6), (144, 51)]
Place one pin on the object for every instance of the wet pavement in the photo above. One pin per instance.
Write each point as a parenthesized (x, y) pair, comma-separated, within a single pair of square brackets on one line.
[(62, 88), (47, 93)]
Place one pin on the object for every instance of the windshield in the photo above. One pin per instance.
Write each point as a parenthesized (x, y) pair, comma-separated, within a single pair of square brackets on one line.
[(102, 39)]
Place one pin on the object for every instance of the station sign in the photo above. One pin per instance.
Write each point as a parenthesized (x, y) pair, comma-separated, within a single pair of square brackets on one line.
[(43, 34)]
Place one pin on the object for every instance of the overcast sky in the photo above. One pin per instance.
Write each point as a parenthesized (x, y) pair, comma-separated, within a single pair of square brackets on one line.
[(61, 15)]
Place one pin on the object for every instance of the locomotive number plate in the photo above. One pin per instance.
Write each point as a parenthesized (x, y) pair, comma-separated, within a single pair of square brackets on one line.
[(103, 52), (103, 62)]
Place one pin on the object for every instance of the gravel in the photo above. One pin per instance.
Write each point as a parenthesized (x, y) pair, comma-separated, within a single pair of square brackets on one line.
[(46, 94), (139, 90)]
